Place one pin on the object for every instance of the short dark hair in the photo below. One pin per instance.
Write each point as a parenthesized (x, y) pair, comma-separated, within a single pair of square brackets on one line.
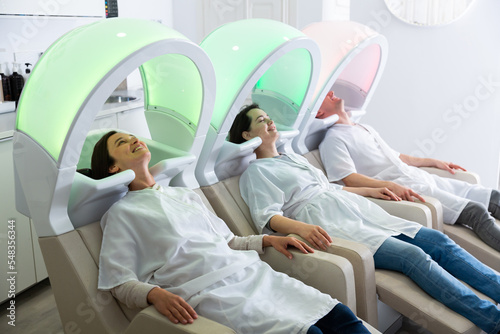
[(241, 123), (101, 160)]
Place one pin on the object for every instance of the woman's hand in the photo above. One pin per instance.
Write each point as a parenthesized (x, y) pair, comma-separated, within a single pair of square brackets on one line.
[(315, 235), (174, 307), (404, 193), (281, 244), (382, 193)]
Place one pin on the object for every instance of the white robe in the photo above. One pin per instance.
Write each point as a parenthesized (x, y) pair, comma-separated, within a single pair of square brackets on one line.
[(288, 185), (359, 149), (169, 238)]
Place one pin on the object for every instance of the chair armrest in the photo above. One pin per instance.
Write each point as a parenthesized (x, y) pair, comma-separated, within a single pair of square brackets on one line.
[(329, 273), (151, 321), (461, 175), (436, 209), (361, 260), (413, 211), (370, 328), (428, 213)]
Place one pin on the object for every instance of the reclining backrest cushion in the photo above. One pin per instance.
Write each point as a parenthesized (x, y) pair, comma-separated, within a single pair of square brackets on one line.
[(315, 159), (92, 237), (232, 185)]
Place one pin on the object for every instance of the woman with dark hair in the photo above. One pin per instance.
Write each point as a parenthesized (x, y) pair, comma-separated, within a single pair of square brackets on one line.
[(286, 194), (101, 160), (162, 246), (241, 123)]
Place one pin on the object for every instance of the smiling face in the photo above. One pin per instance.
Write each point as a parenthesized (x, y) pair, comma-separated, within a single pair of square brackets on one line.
[(127, 151), (261, 126)]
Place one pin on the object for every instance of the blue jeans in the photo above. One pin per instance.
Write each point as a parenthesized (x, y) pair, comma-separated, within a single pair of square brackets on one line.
[(339, 320), (435, 263)]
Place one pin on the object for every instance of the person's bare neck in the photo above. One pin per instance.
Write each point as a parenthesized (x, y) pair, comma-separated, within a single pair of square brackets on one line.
[(268, 151), (143, 179), (344, 119)]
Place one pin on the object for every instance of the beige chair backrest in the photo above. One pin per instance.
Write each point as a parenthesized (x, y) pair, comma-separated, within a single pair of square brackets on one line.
[(72, 260), (229, 205)]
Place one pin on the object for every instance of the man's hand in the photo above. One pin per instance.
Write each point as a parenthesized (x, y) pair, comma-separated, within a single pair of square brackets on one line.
[(448, 166), (281, 244), (430, 162), (174, 307)]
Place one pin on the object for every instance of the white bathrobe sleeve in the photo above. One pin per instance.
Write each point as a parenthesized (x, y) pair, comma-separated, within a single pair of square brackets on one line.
[(348, 149), (133, 292), (264, 198), (118, 236), (336, 158)]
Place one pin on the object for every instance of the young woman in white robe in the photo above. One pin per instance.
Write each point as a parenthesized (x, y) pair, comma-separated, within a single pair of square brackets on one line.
[(356, 155), (162, 246), (286, 194)]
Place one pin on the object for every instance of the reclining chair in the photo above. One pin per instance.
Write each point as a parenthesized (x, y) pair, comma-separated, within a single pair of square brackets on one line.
[(285, 65), (353, 71), (65, 205)]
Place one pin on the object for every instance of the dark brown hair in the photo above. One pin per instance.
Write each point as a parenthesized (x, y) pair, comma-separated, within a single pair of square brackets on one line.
[(101, 160), (241, 123)]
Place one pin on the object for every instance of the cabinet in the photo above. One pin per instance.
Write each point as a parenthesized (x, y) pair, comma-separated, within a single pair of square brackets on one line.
[(29, 266)]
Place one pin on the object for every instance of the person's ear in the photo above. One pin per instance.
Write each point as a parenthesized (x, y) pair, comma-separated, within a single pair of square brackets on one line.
[(113, 169), (319, 114), (246, 135)]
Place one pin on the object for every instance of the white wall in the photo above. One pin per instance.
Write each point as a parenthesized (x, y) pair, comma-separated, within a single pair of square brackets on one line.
[(440, 93), (53, 7), (24, 35), (197, 18), (157, 10)]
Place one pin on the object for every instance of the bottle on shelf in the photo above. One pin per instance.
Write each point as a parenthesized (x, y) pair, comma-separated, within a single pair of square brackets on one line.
[(7, 95), (16, 83)]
